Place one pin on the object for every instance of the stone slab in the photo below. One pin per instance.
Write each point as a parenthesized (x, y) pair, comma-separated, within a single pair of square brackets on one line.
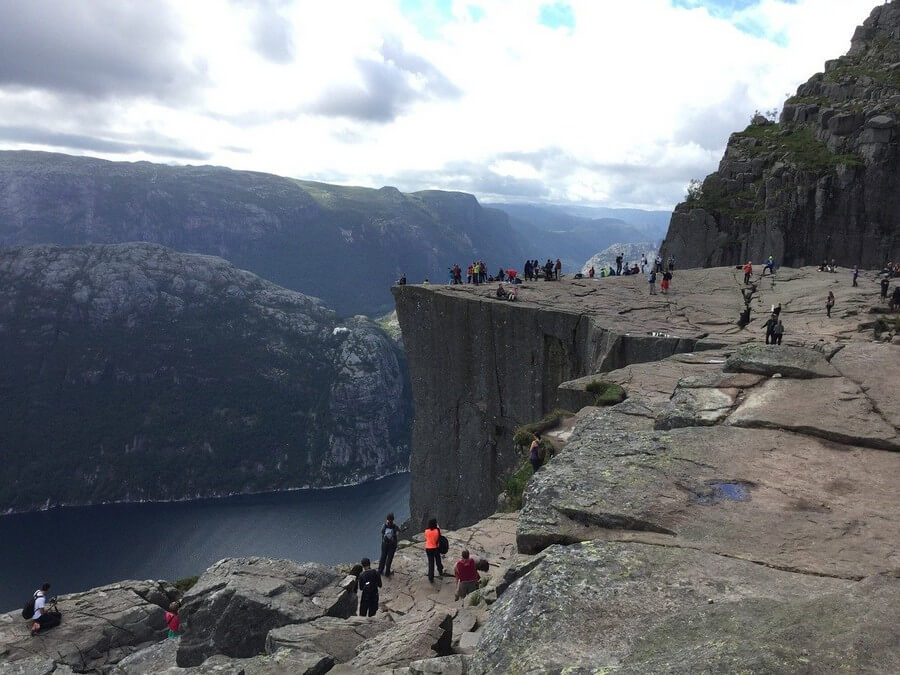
[(786, 360), (661, 609), (876, 368), (336, 637), (720, 489), (833, 408)]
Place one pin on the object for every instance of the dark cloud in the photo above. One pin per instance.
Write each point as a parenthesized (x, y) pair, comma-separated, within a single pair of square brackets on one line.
[(38, 136), (272, 35), (388, 87), (94, 48)]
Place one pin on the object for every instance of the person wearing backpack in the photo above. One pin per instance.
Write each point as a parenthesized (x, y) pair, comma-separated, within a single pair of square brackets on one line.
[(39, 613), (369, 581), (432, 549), (388, 545)]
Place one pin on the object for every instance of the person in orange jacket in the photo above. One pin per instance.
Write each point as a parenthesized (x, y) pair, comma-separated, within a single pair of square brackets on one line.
[(748, 271), (432, 546)]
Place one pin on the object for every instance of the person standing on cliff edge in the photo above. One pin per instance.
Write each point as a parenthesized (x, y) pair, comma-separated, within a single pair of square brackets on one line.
[(388, 545), (432, 549)]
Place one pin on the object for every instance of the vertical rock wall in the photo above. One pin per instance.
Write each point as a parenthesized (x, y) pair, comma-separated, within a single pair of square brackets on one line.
[(479, 369)]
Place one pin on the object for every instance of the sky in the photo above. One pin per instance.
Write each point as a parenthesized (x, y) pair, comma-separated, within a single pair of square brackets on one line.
[(591, 102)]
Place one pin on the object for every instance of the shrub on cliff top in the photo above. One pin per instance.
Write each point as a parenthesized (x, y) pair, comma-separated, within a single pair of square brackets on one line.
[(525, 433), (606, 393), (515, 485), (184, 584)]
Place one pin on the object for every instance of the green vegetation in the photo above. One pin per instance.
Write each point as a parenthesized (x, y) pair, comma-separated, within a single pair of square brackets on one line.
[(887, 324), (798, 145), (474, 598), (515, 484), (525, 433), (185, 584), (850, 72), (606, 393)]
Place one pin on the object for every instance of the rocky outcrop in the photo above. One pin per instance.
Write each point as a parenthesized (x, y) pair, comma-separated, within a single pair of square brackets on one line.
[(819, 184), (788, 361), (236, 602), (632, 253), (642, 608), (130, 362), (99, 627), (346, 245)]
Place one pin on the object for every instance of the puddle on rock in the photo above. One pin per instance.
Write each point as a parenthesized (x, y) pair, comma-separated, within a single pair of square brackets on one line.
[(720, 491)]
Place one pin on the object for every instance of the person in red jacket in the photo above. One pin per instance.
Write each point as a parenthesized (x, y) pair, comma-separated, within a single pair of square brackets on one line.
[(748, 271), (467, 576), (432, 549), (172, 621)]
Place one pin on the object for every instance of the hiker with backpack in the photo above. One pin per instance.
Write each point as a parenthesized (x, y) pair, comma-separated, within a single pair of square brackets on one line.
[(37, 610), (467, 577), (435, 545), (369, 581), (388, 545)]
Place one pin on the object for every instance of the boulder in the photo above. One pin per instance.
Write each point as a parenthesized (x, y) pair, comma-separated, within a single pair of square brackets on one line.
[(418, 637), (338, 638), (282, 661), (720, 489), (651, 609), (833, 408), (154, 658), (237, 601), (455, 664), (786, 360), (99, 627), (696, 406)]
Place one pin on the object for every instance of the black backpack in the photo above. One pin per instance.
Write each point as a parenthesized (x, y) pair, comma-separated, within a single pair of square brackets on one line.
[(28, 609), (443, 545)]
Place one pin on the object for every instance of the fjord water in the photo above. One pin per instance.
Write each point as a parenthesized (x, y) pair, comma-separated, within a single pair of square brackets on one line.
[(81, 547)]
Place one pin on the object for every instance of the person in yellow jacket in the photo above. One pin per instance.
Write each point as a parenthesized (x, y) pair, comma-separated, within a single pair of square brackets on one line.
[(432, 549)]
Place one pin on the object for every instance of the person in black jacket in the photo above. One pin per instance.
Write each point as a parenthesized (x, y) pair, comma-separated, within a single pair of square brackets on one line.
[(369, 582), (388, 545)]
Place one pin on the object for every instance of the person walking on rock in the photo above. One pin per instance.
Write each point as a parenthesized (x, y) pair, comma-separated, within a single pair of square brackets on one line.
[(666, 280), (652, 279), (855, 274), (777, 332), (389, 537), (467, 576), (885, 282), (748, 272), (369, 582), (829, 303), (770, 328), (432, 549)]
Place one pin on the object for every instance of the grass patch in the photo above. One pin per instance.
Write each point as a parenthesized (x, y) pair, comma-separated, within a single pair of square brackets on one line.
[(474, 598), (515, 484), (185, 584), (798, 145), (606, 393), (525, 433)]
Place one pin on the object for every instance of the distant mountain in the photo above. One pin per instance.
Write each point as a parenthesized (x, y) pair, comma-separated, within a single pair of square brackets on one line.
[(567, 232), (133, 372), (631, 253), (346, 245)]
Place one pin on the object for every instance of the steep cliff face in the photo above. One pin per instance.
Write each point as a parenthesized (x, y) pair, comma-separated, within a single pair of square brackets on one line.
[(824, 182), (306, 236), (133, 372), (479, 369)]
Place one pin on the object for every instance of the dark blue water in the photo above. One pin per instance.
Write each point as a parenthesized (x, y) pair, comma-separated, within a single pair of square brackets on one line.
[(82, 547)]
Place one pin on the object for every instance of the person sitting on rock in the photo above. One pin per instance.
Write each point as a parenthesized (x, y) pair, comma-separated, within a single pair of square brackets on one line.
[(500, 293), (173, 623), (369, 582), (467, 576), (44, 616)]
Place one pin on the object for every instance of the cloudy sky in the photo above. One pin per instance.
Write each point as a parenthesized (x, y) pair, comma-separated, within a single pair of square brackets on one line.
[(607, 102)]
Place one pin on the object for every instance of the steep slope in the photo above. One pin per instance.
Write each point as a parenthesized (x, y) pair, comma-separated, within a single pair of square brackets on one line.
[(133, 372), (822, 183), (345, 245)]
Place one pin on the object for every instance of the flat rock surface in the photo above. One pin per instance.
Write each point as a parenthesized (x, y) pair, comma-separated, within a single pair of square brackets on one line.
[(419, 636), (654, 609), (784, 360), (237, 601), (833, 408), (336, 637), (876, 368), (99, 627), (720, 489)]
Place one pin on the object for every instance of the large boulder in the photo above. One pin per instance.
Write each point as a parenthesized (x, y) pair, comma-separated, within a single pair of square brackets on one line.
[(419, 636), (237, 601), (279, 663), (154, 658), (785, 360), (651, 609), (338, 638), (99, 627)]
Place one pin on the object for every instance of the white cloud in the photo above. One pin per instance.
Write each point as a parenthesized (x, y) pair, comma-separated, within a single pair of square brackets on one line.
[(623, 108)]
